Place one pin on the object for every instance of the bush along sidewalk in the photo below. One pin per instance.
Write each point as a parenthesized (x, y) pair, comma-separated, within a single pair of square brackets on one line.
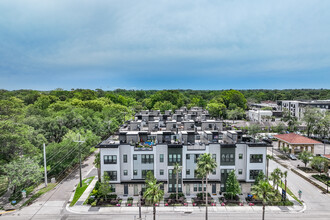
[(81, 190)]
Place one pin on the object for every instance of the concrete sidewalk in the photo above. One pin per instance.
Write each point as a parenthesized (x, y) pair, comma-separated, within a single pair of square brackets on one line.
[(182, 209)]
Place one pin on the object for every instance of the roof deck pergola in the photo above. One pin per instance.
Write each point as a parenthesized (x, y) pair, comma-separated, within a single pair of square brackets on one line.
[(294, 141)]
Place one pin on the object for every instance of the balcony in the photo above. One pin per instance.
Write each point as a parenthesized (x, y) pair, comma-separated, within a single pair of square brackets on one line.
[(144, 146)]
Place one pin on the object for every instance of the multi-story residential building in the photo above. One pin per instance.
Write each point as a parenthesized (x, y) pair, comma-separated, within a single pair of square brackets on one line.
[(296, 108), (133, 151)]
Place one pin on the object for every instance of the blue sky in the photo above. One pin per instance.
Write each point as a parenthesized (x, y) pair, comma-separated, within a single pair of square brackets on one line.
[(164, 44)]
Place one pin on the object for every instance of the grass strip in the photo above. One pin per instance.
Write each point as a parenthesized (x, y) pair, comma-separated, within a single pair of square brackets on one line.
[(81, 190), (290, 193), (42, 191)]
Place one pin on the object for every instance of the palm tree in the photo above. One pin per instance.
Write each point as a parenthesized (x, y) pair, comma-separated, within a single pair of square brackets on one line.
[(268, 157), (208, 164), (285, 175), (153, 194), (263, 191), (276, 177), (201, 174), (177, 169), (97, 165)]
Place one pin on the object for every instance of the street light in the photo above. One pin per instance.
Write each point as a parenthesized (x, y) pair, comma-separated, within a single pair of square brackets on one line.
[(140, 200)]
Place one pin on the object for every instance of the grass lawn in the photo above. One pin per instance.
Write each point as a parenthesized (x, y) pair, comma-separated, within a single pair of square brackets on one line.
[(290, 193), (3, 185), (49, 187), (81, 190)]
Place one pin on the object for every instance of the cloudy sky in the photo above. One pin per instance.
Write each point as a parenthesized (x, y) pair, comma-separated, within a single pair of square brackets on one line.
[(168, 44)]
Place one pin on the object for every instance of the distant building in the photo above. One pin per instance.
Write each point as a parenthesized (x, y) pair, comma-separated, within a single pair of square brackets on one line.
[(260, 115), (296, 108)]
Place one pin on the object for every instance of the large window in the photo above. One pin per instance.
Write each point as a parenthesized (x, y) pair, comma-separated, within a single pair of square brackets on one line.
[(196, 158), (113, 187), (112, 175), (144, 173), (161, 158), (125, 158), (110, 159), (254, 174), (174, 158), (227, 157), (147, 158), (134, 157), (256, 158), (195, 187)]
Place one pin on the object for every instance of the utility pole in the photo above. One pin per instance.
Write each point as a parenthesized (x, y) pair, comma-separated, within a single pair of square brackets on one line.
[(45, 165), (79, 141), (140, 198)]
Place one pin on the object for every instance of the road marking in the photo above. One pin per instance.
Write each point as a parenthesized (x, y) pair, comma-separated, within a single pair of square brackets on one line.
[(7, 212)]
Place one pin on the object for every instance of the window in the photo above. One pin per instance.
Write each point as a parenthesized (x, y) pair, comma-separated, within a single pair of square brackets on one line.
[(240, 156), (135, 172), (240, 171), (187, 156), (188, 172), (161, 172), (214, 172), (256, 158), (125, 172), (214, 156), (174, 158), (196, 158), (199, 187), (227, 158), (113, 187), (144, 173), (110, 159), (195, 187), (112, 175), (147, 158), (125, 158), (134, 157), (254, 174), (161, 158)]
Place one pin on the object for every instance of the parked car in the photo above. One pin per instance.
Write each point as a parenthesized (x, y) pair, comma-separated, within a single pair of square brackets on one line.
[(292, 157)]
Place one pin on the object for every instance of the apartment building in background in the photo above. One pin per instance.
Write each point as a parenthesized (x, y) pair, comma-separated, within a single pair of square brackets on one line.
[(156, 142)]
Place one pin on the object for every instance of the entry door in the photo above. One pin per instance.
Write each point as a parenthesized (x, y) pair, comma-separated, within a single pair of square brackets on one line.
[(125, 189), (136, 190), (214, 188), (188, 189)]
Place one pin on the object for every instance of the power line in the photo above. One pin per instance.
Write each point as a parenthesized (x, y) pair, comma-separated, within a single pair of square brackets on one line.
[(63, 158)]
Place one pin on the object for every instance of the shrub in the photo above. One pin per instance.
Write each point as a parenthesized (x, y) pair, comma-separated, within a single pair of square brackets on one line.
[(173, 195), (93, 203)]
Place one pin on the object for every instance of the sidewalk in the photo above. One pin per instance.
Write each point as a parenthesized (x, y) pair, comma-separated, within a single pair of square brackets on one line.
[(182, 209)]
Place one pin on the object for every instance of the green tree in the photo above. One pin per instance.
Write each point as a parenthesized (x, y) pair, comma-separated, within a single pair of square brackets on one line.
[(104, 188), (320, 164), (260, 177), (276, 178), (268, 157), (253, 130), (153, 194), (98, 166), (237, 113), (264, 192), (177, 170), (216, 110), (305, 157), (208, 164), (311, 118), (232, 185), (22, 172), (235, 97)]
